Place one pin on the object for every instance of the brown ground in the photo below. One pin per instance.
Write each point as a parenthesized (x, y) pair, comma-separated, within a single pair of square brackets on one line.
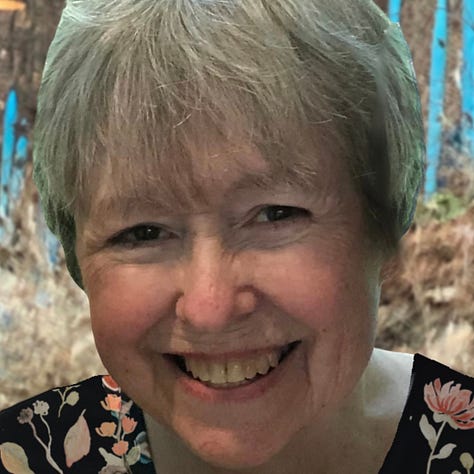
[(427, 303)]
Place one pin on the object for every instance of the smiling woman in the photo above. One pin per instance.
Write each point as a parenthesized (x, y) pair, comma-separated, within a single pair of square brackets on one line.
[(228, 178)]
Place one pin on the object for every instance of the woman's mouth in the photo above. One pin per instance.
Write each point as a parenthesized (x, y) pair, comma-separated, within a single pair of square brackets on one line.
[(235, 372)]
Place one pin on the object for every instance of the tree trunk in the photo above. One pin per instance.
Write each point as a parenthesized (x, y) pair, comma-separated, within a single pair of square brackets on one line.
[(24, 40)]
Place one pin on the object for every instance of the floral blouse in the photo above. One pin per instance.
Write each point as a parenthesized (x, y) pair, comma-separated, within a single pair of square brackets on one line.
[(93, 427)]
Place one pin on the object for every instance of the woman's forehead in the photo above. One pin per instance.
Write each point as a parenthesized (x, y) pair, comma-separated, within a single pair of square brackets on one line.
[(177, 181)]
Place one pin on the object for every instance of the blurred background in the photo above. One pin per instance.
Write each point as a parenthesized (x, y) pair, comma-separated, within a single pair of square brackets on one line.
[(428, 297)]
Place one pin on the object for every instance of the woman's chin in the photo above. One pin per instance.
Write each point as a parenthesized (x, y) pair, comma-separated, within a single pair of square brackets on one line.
[(229, 451)]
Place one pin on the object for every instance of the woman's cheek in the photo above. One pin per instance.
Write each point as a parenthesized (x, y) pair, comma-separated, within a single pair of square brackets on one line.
[(126, 301), (331, 296), (306, 287)]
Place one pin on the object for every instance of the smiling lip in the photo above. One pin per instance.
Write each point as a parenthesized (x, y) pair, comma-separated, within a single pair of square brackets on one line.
[(243, 393), (222, 357)]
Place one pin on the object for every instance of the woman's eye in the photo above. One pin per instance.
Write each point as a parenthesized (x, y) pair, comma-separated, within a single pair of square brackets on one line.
[(280, 213), (142, 235)]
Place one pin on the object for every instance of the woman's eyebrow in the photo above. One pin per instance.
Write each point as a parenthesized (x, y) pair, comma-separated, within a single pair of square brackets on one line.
[(125, 206), (268, 181)]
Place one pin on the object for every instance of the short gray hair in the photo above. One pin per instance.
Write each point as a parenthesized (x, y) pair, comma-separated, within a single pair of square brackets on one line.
[(124, 77)]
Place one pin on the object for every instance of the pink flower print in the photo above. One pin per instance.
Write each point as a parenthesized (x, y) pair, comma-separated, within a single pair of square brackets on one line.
[(450, 404), (128, 424), (112, 403), (110, 383), (120, 448), (107, 429)]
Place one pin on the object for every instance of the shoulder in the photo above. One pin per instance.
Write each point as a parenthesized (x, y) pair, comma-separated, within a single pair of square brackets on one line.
[(423, 367), (83, 427), (446, 393), (436, 430), (55, 401)]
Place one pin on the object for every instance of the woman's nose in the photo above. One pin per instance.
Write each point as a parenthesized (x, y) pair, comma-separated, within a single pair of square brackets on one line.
[(215, 289)]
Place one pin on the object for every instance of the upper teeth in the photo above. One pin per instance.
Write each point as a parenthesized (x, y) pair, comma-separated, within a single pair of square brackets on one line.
[(232, 371)]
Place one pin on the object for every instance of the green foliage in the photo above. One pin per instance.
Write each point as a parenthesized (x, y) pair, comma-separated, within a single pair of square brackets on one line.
[(442, 207)]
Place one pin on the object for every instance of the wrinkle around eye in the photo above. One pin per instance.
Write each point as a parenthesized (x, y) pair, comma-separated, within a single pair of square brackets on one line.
[(270, 235)]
